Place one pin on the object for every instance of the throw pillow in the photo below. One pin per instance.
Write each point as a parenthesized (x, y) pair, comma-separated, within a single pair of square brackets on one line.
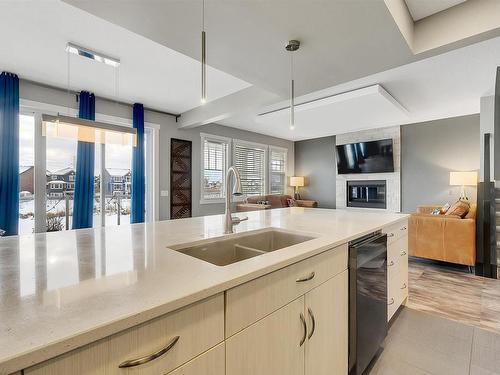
[(292, 202), (460, 208), (444, 209)]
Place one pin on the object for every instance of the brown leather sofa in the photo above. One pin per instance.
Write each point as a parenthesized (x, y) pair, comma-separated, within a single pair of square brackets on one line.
[(447, 238), (273, 201)]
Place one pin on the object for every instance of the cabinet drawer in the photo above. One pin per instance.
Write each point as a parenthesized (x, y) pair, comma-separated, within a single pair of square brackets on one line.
[(212, 362), (397, 250), (200, 326), (397, 274), (396, 231), (247, 303), (403, 276)]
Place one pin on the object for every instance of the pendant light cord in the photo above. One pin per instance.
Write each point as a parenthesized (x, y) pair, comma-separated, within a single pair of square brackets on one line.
[(292, 94), (68, 72)]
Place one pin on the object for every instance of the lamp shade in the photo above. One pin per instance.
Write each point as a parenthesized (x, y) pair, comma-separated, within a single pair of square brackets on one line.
[(463, 178), (297, 181)]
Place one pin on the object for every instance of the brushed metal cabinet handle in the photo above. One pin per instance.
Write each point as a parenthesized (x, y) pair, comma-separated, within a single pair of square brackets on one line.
[(403, 253), (391, 303), (404, 286), (304, 326), (306, 278), (391, 263), (150, 357), (313, 322)]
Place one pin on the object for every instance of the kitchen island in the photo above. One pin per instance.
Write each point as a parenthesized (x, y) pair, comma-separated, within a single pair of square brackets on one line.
[(62, 292)]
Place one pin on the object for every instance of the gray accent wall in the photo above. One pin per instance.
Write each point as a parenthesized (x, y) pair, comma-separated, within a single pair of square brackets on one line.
[(168, 129), (315, 159), (430, 150)]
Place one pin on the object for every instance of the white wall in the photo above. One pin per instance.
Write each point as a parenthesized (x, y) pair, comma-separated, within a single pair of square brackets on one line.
[(168, 129)]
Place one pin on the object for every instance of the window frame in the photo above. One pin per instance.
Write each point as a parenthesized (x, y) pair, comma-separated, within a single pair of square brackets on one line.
[(270, 172), (216, 138)]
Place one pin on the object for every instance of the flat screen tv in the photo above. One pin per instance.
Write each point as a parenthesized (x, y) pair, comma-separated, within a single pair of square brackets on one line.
[(365, 157)]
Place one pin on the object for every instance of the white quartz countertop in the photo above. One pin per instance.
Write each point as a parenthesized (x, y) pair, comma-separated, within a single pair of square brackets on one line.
[(59, 291)]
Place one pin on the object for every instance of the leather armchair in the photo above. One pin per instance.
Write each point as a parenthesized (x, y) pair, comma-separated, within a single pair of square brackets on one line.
[(447, 238)]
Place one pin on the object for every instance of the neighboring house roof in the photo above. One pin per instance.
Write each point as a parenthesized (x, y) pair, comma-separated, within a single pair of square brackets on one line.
[(24, 168), (113, 172), (64, 171), (118, 172)]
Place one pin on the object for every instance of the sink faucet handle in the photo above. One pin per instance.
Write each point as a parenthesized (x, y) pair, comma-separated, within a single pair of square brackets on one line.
[(237, 220)]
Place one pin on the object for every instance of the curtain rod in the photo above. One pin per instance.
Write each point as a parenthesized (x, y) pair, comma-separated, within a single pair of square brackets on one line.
[(77, 93)]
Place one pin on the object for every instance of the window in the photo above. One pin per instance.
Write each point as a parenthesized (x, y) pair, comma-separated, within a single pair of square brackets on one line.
[(277, 170), (61, 156), (26, 174), (250, 159), (215, 163), (57, 158)]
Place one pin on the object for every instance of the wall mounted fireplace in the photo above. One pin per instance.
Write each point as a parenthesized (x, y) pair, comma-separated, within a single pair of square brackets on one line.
[(367, 194)]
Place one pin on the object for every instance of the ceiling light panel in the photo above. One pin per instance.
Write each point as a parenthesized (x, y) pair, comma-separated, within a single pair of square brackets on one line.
[(93, 55)]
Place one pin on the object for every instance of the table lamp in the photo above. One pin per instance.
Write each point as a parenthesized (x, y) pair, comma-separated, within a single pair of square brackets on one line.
[(463, 179), (296, 182)]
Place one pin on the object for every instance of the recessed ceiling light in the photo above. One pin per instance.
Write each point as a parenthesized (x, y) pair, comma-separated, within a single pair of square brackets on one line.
[(96, 56)]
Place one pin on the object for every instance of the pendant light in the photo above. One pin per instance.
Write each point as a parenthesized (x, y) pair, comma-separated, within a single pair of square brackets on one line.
[(203, 57), (292, 46), (74, 128)]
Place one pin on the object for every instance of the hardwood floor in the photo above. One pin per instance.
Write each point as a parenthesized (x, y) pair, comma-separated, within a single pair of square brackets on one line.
[(453, 293)]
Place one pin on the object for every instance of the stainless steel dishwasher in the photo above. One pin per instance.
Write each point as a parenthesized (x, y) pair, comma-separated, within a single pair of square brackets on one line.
[(367, 300)]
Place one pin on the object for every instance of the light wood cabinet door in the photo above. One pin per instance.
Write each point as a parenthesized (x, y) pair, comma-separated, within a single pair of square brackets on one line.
[(271, 346), (209, 363), (249, 302), (326, 308)]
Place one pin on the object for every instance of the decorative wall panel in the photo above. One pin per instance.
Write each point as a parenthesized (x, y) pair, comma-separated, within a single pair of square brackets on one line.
[(180, 178)]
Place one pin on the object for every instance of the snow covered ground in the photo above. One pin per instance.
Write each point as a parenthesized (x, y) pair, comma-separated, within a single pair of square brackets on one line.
[(27, 223)]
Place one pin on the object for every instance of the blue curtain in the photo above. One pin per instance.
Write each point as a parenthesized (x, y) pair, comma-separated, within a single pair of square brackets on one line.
[(138, 174), (9, 153), (83, 203)]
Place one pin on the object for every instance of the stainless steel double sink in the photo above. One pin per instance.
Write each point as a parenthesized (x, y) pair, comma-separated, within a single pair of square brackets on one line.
[(235, 248)]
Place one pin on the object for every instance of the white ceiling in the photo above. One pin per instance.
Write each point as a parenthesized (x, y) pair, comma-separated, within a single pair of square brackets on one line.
[(341, 40), (350, 45), (424, 8), (36, 34), (442, 86), (314, 118), (345, 45)]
